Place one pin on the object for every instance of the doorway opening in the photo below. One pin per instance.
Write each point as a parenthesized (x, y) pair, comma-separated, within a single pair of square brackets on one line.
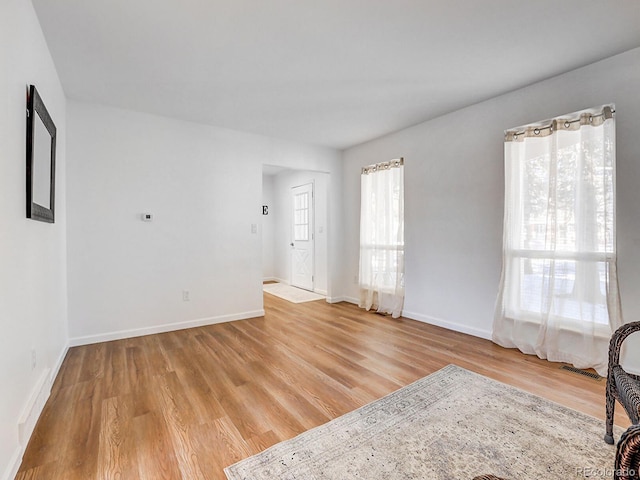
[(294, 228)]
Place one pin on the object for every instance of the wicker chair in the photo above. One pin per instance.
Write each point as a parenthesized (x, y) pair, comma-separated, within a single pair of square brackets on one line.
[(628, 455), (621, 385)]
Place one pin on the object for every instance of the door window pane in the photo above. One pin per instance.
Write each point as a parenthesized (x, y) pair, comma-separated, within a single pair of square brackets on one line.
[(301, 217)]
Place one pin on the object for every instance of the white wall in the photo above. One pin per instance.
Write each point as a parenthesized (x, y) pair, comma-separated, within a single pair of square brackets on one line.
[(454, 179), (268, 228), (204, 187), (283, 183), (33, 310)]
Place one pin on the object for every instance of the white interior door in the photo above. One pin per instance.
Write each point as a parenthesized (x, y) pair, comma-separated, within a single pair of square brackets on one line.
[(302, 252)]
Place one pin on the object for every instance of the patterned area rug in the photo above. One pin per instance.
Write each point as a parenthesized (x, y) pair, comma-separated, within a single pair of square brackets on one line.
[(453, 424), (289, 293)]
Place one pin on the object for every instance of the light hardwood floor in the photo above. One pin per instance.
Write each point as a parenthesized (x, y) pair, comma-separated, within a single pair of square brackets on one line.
[(188, 403)]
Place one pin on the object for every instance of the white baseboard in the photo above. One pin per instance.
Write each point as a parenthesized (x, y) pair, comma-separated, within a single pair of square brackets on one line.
[(342, 299), (139, 332), (456, 327), (34, 406), (14, 464), (58, 364), (269, 279), (31, 413)]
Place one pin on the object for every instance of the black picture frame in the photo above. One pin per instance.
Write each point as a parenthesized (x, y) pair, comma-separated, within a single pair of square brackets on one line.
[(41, 159)]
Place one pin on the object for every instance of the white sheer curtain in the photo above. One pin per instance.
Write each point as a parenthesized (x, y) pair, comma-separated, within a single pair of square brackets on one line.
[(558, 294), (382, 237)]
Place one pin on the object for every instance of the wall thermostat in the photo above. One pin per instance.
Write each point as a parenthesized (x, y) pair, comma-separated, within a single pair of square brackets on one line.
[(147, 217)]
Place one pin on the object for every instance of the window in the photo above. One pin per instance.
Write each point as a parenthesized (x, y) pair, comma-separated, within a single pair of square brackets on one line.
[(301, 216), (558, 294), (381, 274)]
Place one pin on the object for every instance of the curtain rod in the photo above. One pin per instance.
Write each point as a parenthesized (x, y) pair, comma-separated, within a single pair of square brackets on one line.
[(560, 123), (396, 162)]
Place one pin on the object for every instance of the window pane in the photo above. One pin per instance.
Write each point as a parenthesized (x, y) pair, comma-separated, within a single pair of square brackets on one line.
[(301, 217)]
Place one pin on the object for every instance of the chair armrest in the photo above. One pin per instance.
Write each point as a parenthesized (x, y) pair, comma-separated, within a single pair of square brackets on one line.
[(617, 338)]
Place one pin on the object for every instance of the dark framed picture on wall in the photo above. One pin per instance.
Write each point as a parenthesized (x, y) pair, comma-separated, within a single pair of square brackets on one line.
[(41, 159)]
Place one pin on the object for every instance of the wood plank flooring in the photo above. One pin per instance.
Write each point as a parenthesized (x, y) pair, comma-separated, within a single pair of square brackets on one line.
[(185, 404)]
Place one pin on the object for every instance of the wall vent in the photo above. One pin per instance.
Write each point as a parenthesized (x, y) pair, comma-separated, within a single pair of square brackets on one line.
[(595, 376)]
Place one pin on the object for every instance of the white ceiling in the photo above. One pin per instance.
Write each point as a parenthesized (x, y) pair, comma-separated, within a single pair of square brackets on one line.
[(326, 72)]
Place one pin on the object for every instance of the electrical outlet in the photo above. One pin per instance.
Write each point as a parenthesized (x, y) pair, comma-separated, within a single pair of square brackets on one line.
[(34, 359), (185, 295), (355, 279)]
